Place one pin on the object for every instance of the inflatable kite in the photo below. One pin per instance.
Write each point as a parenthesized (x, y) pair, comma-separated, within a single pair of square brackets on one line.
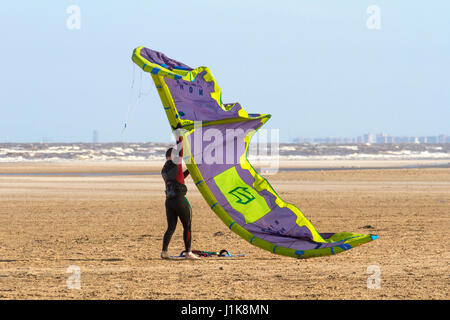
[(216, 140)]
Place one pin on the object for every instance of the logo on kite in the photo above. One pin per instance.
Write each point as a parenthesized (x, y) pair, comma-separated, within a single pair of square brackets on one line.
[(242, 195)]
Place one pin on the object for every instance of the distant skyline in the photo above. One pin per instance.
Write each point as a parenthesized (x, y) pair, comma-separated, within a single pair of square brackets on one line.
[(321, 68), (377, 138), (362, 138)]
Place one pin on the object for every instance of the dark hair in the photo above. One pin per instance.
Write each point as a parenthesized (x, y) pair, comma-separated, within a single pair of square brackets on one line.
[(169, 153)]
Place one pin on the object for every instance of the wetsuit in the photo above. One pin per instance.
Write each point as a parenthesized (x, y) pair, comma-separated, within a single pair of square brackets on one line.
[(177, 206)]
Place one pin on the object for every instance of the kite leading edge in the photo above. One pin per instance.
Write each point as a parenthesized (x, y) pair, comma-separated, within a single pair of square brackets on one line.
[(244, 200)]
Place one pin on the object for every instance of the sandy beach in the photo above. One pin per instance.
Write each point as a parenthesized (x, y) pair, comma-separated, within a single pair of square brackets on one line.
[(111, 227)]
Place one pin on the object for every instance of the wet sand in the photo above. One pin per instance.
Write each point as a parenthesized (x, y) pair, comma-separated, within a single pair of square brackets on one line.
[(111, 227)]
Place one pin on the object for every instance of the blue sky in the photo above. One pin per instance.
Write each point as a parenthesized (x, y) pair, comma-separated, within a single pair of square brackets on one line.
[(314, 65)]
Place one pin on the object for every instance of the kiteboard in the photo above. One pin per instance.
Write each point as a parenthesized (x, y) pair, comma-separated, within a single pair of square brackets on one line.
[(210, 254)]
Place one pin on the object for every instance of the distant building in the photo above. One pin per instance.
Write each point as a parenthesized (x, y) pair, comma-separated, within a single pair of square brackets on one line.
[(442, 138), (95, 136), (382, 138), (301, 140), (368, 138), (402, 139), (423, 139)]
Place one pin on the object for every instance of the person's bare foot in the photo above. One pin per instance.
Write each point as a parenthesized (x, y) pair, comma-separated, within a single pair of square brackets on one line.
[(190, 255)]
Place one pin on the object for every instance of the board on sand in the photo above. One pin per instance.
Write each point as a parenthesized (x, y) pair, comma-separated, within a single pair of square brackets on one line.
[(210, 254)]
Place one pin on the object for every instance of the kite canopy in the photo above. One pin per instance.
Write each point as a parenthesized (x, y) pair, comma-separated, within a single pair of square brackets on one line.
[(217, 138)]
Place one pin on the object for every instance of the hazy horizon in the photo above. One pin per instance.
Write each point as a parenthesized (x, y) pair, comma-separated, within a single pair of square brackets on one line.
[(317, 67)]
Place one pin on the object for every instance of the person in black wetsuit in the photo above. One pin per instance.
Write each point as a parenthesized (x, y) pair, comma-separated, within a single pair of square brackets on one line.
[(177, 205)]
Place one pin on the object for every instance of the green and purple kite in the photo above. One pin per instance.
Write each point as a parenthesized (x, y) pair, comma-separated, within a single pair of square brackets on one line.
[(216, 141)]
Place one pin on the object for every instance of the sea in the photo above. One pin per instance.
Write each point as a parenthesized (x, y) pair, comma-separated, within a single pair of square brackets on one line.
[(56, 152)]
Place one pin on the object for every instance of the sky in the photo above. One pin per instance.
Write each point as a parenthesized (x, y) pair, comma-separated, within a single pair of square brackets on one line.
[(320, 68)]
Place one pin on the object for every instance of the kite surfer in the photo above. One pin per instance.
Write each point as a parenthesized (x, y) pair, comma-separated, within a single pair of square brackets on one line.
[(177, 205)]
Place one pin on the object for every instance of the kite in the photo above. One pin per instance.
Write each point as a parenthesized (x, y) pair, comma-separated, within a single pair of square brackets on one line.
[(216, 138)]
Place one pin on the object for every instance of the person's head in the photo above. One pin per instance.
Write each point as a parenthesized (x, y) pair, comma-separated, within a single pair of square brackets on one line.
[(169, 154)]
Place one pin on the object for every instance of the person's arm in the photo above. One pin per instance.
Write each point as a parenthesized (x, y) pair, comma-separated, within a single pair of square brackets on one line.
[(180, 174), (186, 173)]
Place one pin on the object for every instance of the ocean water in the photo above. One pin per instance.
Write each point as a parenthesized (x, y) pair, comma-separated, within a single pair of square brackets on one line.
[(29, 152)]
